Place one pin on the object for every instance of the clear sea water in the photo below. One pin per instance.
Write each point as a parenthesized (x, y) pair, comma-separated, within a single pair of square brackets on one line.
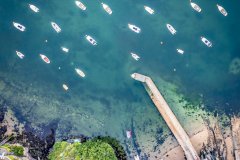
[(107, 89)]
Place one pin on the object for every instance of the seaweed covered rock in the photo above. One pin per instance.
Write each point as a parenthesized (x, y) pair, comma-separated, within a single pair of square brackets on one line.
[(90, 150), (234, 67)]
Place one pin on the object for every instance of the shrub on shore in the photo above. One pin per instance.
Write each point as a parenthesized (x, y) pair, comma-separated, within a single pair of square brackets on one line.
[(90, 150)]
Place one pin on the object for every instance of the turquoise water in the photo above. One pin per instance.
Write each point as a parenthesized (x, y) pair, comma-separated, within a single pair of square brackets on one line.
[(107, 92)]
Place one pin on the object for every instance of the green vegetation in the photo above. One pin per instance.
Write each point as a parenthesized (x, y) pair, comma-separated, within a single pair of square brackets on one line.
[(90, 150), (16, 150), (119, 150), (12, 157)]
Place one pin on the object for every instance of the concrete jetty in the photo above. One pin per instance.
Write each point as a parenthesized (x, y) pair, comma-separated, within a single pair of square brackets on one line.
[(168, 116)]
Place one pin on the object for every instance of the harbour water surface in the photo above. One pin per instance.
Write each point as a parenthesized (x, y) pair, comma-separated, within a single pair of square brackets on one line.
[(107, 99)]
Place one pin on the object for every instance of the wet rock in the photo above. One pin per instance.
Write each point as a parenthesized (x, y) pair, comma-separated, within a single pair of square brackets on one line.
[(3, 130), (234, 66), (39, 147)]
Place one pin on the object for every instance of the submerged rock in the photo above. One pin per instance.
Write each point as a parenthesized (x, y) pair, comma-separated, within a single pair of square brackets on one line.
[(234, 67)]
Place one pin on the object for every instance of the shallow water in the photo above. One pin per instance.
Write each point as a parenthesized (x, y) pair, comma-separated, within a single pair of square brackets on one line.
[(107, 93)]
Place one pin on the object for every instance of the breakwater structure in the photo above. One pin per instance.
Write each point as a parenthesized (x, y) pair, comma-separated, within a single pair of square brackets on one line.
[(169, 117)]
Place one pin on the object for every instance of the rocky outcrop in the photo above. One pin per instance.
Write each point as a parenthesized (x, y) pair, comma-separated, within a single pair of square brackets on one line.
[(38, 142), (216, 147)]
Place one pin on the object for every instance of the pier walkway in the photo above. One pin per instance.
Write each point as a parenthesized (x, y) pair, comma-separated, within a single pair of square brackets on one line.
[(168, 116)]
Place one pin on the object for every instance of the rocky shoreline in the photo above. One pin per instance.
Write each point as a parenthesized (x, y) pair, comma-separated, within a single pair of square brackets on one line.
[(38, 147), (38, 143)]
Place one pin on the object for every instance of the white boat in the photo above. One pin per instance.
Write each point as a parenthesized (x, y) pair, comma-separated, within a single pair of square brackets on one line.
[(56, 27), (65, 87), (134, 28), (136, 157), (106, 8), (195, 7), (149, 10), (34, 8), (80, 72), (64, 49), (45, 58), (180, 51), (222, 10), (19, 26), (19, 54), (91, 40), (129, 134), (135, 56), (171, 29), (80, 5), (206, 42)]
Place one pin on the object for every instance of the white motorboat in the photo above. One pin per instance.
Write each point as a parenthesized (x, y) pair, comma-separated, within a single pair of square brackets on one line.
[(149, 10), (135, 56), (64, 49), (20, 55), (91, 40), (106, 8), (180, 51), (44, 58), (134, 28), (80, 5), (171, 29), (56, 27), (222, 10), (206, 42), (195, 7), (34, 8), (80, 72), (65, 87), (19, 26)]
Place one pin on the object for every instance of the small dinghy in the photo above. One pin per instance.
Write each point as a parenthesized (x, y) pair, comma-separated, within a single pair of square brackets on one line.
[(195, 7), (149, 10), (106, 8), (80, 5), (45, 58), (222, 10), (20, 55), (135, 56), (56, 27), (91, 40), (171, 29), (65, 87), (64, 49), (80, 72), (19, 26), (180, 51), (129, 134), (33, 8), (134, 28), (206, 42)]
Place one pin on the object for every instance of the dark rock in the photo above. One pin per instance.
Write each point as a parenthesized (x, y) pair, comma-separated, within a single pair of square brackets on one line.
[(3, 130)]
